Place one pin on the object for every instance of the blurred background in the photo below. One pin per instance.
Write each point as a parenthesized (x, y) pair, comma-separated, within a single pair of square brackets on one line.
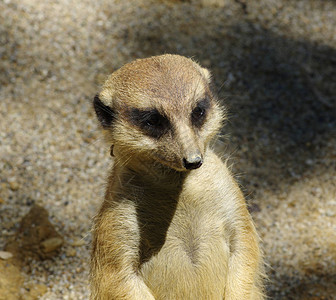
[(274, 68)]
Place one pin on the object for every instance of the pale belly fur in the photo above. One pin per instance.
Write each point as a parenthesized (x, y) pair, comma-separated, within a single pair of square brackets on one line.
[(192, 263)]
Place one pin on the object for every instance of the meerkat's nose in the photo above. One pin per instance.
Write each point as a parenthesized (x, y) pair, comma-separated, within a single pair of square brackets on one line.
[(192, 162)]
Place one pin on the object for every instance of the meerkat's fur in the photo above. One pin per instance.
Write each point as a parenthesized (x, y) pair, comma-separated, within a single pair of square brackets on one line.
[(174, 223)]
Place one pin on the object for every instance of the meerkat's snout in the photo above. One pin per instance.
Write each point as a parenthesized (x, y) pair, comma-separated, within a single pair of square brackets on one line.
[(189, 145)]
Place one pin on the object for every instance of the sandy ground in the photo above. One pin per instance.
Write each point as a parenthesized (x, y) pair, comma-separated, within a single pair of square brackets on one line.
[(274, 66)]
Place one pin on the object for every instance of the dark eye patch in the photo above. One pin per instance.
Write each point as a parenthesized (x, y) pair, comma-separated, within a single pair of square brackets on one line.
[(151, 121), (199, 113)]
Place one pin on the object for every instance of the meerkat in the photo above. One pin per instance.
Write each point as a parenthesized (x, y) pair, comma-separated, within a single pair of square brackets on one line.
[(174, 223)]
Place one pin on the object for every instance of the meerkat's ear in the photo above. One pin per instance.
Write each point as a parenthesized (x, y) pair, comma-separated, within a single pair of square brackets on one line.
[(105, 113), (206, 73)]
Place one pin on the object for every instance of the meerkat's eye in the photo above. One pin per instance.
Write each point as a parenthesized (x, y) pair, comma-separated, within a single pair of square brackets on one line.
[(154, 120), (199, 113), (151, 121)]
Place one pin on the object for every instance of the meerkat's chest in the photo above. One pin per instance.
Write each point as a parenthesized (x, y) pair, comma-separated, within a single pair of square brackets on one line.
[(192, 261)]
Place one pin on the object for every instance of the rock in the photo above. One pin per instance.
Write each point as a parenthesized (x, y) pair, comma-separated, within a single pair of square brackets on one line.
[(216, 3), (34, 292), (51, 244), (71, 252), (77, 242), (5, 255), (36, 237), (14, 186), (2, 201), (11, 281)]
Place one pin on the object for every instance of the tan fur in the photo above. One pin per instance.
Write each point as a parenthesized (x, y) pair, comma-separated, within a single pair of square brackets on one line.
[(164, 232)]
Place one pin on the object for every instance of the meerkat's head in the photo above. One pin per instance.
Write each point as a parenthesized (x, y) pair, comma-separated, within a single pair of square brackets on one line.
[(159, 109)]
